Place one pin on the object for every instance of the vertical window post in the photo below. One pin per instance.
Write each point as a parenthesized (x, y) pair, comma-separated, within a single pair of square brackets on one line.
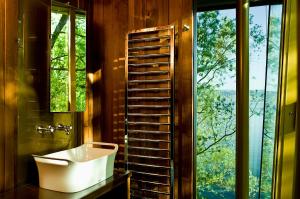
[(242, 87), (72, 66)]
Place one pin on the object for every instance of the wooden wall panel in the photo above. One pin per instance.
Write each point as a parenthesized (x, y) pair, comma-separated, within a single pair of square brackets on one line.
[(8, 65), (109, 44), (108, 27), (117, 18), (119, 30), (186, 132), (136, 14), (2, 90), (95, 65), (157, 13), (10, 129)]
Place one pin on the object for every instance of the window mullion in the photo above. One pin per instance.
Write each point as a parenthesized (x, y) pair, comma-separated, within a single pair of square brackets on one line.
[(72, 65), (242, 114)]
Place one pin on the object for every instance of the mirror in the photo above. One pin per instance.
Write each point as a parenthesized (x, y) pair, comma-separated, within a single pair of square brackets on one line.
[(68, 59)]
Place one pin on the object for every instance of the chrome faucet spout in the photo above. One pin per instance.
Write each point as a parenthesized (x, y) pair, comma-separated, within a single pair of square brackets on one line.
[(65, 128)]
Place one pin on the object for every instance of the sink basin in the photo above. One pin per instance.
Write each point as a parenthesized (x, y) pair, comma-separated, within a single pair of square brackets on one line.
[(78, 168)]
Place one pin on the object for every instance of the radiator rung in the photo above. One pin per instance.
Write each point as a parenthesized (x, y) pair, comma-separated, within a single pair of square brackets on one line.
[(150, 132), (149, 81), (149, 174), (148, 165), (148, 89), (149, 98), (153, 191), (147, 140), (147, 115), (149, 72), (148, 106), (149, 123), (148, 157), (148, 47), (149, 56), (148, 39), (149, 182), (147, 148), (155, 64)]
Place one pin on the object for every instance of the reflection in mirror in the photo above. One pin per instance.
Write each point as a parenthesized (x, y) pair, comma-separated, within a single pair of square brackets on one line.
[(80, 47), (68, 60)]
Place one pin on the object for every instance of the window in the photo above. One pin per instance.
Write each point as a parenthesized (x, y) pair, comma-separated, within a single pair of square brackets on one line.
[(216, 100), (68, 60)]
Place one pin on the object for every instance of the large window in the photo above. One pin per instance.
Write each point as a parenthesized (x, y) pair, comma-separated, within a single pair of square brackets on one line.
[(68, 60), (216, 100)]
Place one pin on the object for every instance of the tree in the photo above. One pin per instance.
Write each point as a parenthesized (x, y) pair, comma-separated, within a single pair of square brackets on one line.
[(216, 50)]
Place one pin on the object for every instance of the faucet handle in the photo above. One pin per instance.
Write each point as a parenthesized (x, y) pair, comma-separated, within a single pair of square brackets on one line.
[(51, 128), (40, 129), (66, 128)]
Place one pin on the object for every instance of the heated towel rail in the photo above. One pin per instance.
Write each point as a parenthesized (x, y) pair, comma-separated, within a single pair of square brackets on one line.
[(149, 132)]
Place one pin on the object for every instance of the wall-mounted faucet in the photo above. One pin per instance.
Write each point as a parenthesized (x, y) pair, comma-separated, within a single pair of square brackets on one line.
[(51, 129), (65, 128)]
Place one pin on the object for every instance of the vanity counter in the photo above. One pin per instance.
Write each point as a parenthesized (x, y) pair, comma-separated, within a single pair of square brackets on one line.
[(115, 187)]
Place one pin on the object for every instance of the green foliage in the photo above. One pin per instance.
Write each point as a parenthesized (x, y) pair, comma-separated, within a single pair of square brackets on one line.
[(59, 86), (80, 38), (59, 74)]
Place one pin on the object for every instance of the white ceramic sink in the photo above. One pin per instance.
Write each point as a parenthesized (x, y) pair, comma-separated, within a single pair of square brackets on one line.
[(76, 169)]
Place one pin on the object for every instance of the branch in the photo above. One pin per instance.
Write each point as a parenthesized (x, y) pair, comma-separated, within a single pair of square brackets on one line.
[(217, 61), (79, 35), (62, 22), (58, 57), (223, 137), (216, 142)]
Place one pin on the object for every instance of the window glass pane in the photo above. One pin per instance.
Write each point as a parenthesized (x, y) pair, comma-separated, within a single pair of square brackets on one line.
[(271, 101), (80, 47), (216, 112), (59, 73), (216, 100), (257, 78)]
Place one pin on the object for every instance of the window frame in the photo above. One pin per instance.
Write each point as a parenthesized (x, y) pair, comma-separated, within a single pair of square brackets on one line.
[(205, 5)]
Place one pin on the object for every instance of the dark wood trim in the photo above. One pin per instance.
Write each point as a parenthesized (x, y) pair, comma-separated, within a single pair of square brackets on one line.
[(8, 89), (113, 187), (204, 5), (2, 95)]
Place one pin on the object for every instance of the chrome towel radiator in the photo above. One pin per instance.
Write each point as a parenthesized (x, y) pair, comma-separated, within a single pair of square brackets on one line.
[(149, 131)]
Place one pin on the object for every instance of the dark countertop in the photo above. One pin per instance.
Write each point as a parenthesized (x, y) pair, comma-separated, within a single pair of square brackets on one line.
[(33, 192)]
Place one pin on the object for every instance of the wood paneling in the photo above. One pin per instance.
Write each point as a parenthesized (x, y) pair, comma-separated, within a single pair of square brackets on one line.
[(8, 99), (2, 85), (110, 21)]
